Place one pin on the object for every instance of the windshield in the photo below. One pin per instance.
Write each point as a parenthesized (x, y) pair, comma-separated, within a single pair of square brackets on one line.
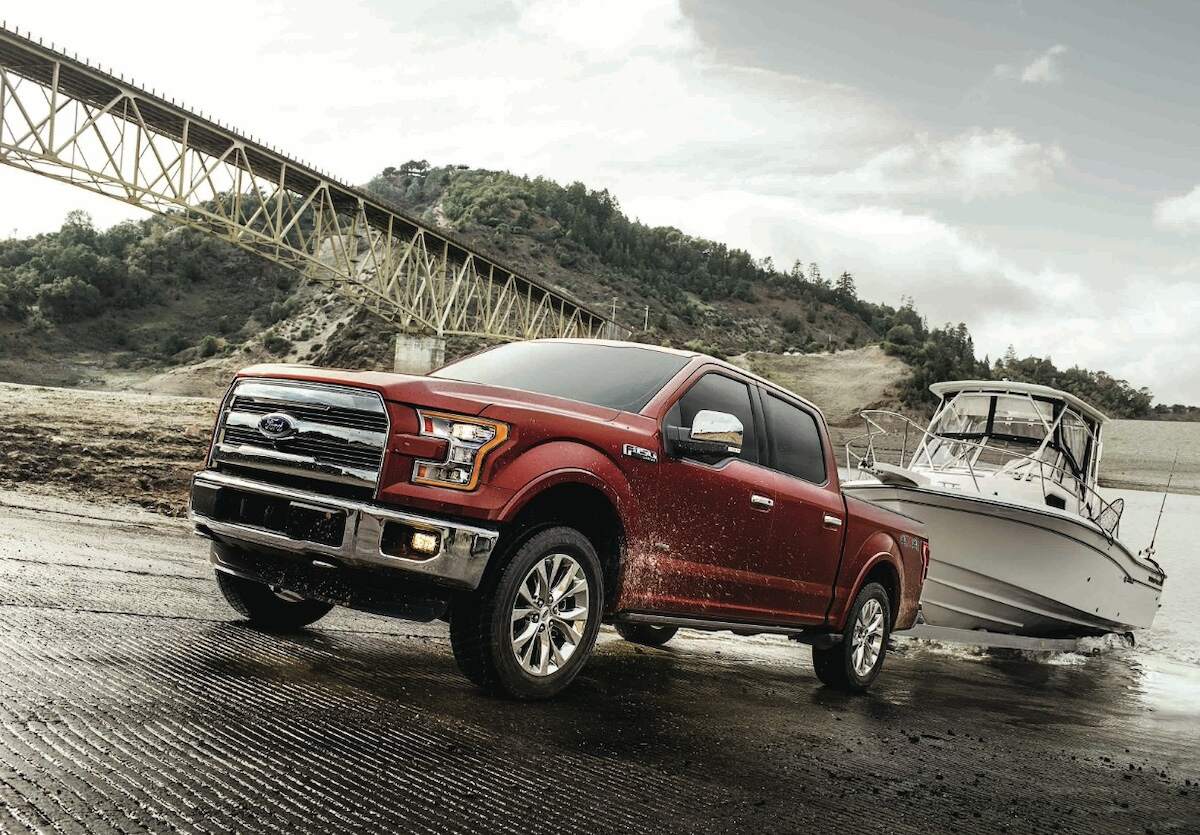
[(990, 431), (1012, 417), (614, 376)]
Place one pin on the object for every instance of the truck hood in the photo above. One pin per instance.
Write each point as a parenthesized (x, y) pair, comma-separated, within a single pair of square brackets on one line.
[(432, 392)]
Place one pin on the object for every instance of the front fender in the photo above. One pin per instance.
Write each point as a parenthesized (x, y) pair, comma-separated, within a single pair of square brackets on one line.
[(564, 462)]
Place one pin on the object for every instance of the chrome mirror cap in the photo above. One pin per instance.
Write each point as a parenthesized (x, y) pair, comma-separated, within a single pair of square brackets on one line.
[(712, 427)]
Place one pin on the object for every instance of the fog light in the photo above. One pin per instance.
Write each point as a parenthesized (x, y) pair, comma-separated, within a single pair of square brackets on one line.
[(424, 542)]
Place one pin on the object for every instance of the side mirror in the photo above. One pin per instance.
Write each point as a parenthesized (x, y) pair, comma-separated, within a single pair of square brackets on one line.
[(712, 434)]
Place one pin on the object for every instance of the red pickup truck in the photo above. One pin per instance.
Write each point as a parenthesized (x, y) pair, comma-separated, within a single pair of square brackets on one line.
[(531, 491)]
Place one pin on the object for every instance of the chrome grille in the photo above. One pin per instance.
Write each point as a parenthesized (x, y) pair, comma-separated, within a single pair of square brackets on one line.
[(332, 433), (351, 418)]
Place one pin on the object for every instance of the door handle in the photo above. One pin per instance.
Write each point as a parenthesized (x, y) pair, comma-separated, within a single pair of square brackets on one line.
[(832, 521), (762, 502)]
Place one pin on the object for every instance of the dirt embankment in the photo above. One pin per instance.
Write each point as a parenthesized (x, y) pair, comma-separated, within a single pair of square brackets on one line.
[(111, 446), (842, 383)]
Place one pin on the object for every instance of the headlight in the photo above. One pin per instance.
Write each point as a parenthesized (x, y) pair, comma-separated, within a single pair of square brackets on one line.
[(469, 441)]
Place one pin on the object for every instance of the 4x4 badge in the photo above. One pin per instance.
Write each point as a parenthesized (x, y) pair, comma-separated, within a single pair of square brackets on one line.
[(640, 452)]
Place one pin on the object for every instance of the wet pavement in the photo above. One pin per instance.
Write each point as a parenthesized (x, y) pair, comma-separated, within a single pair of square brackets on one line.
[(131, 700)]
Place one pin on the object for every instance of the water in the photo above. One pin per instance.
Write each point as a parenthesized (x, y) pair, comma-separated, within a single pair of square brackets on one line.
[(1138, 454), (1175, 634)]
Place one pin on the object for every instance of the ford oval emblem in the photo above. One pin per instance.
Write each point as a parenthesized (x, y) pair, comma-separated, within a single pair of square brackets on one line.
[(276, 426)]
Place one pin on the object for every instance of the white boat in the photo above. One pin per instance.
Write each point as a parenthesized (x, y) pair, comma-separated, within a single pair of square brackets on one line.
[(1004, 477)]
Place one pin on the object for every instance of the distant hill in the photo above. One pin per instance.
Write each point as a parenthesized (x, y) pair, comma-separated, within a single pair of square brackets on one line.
[(148, 304), (717, 298)]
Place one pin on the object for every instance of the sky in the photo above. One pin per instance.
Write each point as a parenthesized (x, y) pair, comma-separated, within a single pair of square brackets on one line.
[(1031, 169)]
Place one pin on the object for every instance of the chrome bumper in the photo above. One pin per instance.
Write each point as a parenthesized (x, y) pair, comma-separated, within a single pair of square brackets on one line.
[(460, 560)]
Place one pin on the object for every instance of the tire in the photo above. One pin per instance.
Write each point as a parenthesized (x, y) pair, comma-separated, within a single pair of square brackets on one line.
[(267, 610), (486, 635), (646, 634), (843, 666)]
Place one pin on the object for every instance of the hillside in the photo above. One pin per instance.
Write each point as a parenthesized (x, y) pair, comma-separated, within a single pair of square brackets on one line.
[(842, 383), (702, 292), (148, 305)]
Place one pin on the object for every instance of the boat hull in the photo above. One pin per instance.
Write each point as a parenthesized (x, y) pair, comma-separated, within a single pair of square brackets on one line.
[(1019, 570)]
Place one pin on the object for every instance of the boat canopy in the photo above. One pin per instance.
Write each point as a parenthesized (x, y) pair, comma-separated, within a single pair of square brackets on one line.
[(954, 387)]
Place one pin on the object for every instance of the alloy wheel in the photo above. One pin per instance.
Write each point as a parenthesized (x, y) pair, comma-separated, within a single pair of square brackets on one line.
[(867, 640), (550, 614)]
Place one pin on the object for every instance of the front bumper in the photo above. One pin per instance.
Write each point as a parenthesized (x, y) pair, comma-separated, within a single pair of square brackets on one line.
[(350, 534)]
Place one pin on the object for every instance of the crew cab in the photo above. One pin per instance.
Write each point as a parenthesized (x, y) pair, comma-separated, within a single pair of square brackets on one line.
[(531, 491)]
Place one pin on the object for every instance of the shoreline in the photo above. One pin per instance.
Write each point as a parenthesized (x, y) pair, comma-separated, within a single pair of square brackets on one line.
[(1144, 487)]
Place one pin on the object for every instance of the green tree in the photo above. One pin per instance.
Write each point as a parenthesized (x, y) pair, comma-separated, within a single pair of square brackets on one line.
[(845, 286)]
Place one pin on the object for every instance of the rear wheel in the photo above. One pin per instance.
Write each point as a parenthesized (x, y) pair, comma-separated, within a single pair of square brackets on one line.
[(855, 661), (528, 632), (646, 634), (267, 609)]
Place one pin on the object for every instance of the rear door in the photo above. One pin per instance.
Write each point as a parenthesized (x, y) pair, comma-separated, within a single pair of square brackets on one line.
[(799, 566), (711, 516)]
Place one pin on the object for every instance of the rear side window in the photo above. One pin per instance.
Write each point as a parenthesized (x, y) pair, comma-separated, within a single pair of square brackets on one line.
[(795, 440), (719, 393)]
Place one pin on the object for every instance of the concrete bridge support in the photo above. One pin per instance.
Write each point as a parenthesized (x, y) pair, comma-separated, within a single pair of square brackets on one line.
[(417, 354)]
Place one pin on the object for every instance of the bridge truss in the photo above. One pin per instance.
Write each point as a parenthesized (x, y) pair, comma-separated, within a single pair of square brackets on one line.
[(65, 119)]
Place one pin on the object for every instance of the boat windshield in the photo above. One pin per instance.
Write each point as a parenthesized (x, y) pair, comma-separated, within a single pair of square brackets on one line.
[(1012, 418), (998, 428)]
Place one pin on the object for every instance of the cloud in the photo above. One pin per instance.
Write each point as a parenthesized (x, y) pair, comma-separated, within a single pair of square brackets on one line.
[(973, 164), (1182, 213), (1135, 325), (607, 28), (1044, 69)]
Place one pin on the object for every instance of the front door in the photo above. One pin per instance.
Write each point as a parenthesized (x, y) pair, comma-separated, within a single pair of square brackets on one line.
[(708, 517)]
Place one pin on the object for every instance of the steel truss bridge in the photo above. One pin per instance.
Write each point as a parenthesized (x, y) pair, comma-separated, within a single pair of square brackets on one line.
[(63, 118)]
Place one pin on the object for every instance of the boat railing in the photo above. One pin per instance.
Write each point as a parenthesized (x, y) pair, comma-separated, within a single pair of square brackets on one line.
[(862, 454)]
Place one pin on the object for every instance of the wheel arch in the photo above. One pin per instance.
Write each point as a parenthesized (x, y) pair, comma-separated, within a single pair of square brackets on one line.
[(574, 498), (884, 572), (877, 561)]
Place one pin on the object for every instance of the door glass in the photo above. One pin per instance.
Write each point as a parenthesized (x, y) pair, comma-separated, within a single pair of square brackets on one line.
[(795, 440), (720, 394)]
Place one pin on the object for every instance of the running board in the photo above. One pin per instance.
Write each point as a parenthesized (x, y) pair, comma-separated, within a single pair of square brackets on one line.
[(983, 638), (801, 634)]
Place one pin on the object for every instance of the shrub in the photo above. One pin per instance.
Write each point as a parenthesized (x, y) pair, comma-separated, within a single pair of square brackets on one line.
[(276, 344), (68, 299), (902, 334), (208, 346), (171, 344)]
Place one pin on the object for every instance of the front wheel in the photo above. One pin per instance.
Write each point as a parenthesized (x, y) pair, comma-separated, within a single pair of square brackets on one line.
[(269, 610), (855, 661), (528, 632)]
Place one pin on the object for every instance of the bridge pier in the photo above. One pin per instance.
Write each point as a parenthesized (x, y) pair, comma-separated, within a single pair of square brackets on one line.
[(417, 354)]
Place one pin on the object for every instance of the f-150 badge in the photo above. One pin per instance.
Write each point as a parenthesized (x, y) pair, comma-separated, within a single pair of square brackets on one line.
[(640, 452)]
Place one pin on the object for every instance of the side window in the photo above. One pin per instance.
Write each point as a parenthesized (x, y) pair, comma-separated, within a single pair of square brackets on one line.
[(795, 440), (720, 394)]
